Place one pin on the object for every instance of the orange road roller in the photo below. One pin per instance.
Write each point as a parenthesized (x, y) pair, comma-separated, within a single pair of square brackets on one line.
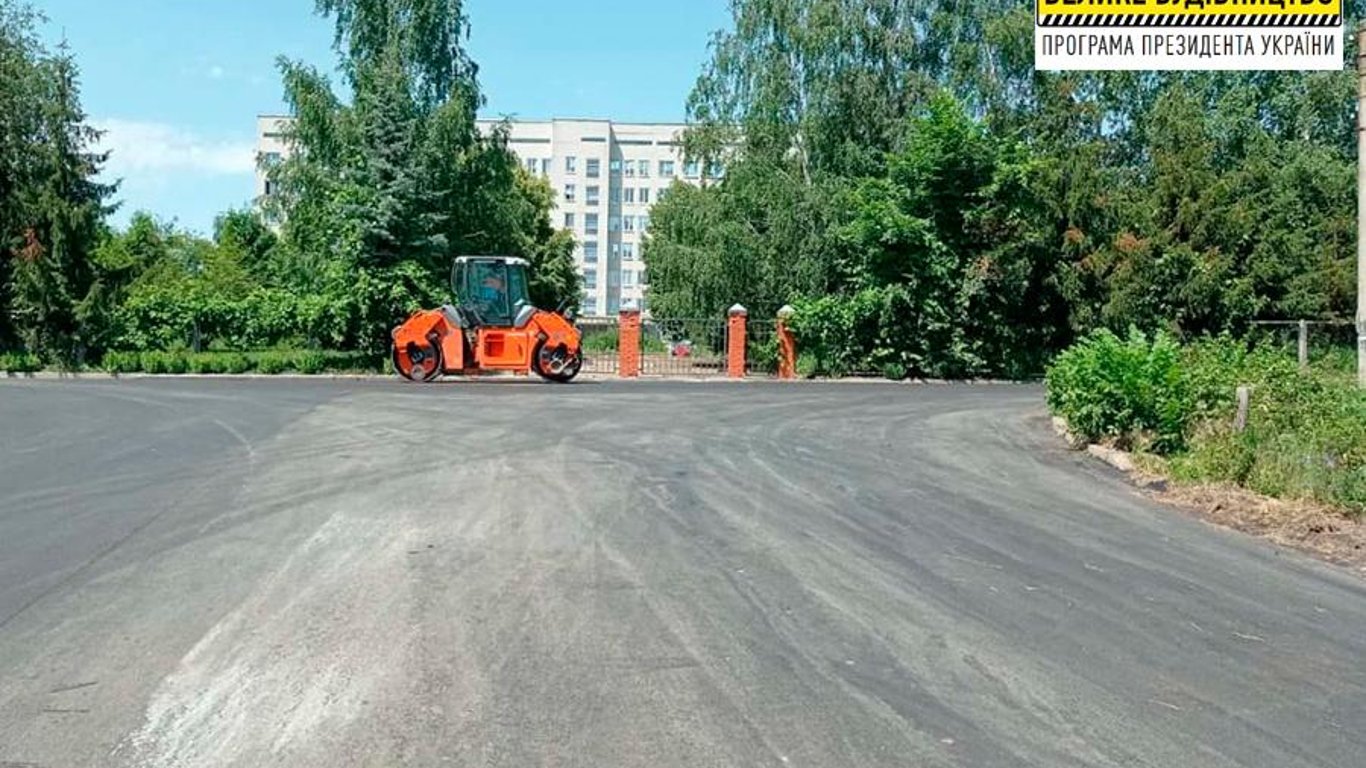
[(492, 327)]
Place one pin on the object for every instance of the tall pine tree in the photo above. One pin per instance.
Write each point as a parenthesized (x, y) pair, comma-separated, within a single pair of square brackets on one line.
[(61, 214)]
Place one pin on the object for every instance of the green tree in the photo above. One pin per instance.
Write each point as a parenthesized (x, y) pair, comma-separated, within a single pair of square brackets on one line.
[(21, 84), (385, 187), (62, 217)]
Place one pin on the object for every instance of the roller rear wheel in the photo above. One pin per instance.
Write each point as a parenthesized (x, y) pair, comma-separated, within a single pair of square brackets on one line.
[(418, 362), (557, 364)]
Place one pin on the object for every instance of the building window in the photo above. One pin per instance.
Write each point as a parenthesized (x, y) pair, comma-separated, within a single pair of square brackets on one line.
[(691, 169), (592, 196), (616, 251), (614, 194), (271, 159), (628, 223), (613, 223), (569, 193), (569, 220), (594, 168), (628, 251), (628, 278), (643, 304), (716, 171), (629, 194), (659, 196), (613, 306), (545, 166), (590, 279), (645, 195), (590, 223), (629, 168), (590, 252), (643, 223), (644, 166), (571, 165), (532, 164), (590, 305), (614, 166), (270, 188), (666, 168)]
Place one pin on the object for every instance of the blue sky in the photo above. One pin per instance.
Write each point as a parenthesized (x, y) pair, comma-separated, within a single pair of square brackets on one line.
[(177, 84)]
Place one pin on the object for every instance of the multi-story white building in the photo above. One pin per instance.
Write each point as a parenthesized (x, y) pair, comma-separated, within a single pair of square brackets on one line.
[(606, 177)]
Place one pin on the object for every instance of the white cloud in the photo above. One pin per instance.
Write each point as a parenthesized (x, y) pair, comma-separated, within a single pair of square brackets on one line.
[(157, 151), (216, 72)]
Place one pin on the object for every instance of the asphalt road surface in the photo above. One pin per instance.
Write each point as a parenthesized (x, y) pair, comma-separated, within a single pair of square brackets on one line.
[(319, 573)]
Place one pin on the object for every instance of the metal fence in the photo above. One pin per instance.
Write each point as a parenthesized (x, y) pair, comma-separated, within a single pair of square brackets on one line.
[(601, 336), (761, 348), (683, 347)]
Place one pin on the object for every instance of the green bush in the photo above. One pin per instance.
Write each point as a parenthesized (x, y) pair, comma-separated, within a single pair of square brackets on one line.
[(311, 362), (122, 362), (1305, 435), (235, 363), (272, 363), (155, 362), (763, 355), (894, 371), (20, 362), (206, 362), (1123, 389), (886, 326)]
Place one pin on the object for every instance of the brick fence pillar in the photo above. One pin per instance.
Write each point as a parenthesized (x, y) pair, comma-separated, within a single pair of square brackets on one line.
[(628, 343), (787, 345), (737, 335)]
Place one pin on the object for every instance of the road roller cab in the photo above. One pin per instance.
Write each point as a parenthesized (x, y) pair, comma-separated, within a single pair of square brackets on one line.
[(493, 326)]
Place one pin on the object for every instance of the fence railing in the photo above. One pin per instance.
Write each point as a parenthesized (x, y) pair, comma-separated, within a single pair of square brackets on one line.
[(601, 340), (1333, 341), (683, 347)]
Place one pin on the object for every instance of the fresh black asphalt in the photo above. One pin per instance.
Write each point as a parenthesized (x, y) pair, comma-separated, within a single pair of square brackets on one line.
[(363, 573)]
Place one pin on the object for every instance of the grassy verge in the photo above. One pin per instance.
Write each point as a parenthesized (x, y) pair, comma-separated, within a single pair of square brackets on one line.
[(1306, 433), (260, 362), (263, 362)]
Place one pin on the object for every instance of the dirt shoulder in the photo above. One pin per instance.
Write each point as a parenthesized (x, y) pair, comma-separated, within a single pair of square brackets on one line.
[(1317, 529)]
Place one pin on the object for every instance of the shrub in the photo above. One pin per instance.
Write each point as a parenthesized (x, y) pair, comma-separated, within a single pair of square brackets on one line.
[(235, 363), (272, 363), (878, 327), (310, 362), (763, 355), (122, 362), (894, 371), (205, 362), (155, 362), (20, 362), (1107, 387), (1305, 435)]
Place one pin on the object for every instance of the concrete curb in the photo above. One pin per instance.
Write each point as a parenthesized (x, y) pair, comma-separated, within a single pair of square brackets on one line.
[(1120, 460)]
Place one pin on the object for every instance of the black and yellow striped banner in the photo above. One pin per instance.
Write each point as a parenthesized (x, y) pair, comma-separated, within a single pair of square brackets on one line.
[(1225, 20), (1190, 13)]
